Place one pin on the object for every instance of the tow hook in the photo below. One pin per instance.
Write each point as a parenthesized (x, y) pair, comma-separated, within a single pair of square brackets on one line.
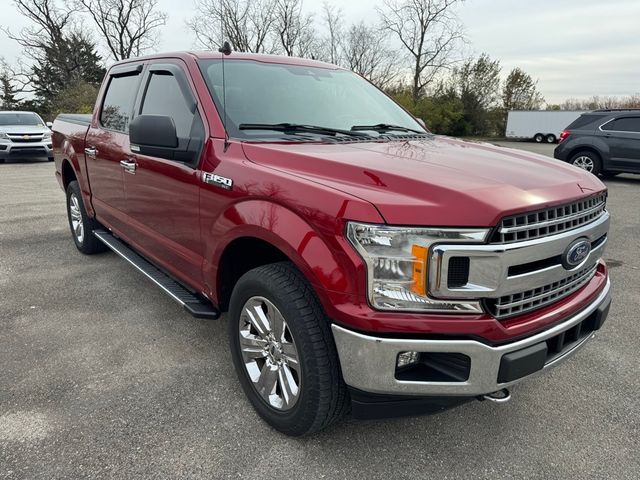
[(500, 396)]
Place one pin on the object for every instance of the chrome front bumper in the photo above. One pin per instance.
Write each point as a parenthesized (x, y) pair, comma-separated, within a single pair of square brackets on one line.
[(369, 363), (9, 150)]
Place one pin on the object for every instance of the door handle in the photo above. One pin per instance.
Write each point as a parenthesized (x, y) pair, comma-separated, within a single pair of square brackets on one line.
[(91, 152), (129, 166)]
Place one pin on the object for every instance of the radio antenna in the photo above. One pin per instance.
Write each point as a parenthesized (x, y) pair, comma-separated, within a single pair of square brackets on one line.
[(225, 50)]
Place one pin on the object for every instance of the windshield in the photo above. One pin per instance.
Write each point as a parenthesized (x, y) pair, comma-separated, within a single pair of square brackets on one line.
[(11, 118), (269, 93)]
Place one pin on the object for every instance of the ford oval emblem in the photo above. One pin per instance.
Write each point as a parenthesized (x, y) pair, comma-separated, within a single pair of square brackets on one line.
[(576, 253)]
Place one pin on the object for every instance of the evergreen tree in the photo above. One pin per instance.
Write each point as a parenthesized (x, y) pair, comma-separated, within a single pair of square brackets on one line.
[(72, 61), (8, 100)]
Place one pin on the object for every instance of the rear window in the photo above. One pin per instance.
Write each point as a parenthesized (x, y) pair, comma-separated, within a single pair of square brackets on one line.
[(584, 121), (118, 103)]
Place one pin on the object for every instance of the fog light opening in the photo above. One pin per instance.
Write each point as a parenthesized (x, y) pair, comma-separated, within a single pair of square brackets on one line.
[(407, 358)]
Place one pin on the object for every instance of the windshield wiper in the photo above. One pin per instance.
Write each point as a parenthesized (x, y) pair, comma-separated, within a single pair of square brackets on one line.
[(384, 127), (299, 128)]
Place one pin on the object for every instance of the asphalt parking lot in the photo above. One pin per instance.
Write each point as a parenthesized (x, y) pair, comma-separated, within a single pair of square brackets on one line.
[(102, 375)]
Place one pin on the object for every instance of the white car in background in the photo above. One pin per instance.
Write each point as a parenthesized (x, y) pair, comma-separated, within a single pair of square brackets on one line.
[(24, 135)]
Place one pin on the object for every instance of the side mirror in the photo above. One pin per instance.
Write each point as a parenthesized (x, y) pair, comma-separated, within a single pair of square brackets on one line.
[(422, 122), (49, 125), (153, 135)]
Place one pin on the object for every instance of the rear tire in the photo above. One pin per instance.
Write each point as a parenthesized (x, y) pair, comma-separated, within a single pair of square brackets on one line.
[(538, 138), (50, 159), (283, 351), (587, 160), (81, 225), (551, 138)]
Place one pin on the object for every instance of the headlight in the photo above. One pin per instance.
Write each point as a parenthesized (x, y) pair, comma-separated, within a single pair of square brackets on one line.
[(3, 135), (46, 136), (397, 263)]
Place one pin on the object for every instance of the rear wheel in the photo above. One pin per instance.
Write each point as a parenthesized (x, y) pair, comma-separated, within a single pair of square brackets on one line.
[(81, 225), (538, 138), (588, 161), (551, 138), (50, 159), (283, 351)]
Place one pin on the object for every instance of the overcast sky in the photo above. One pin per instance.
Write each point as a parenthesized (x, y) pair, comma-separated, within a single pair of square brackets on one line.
[(575, 48)]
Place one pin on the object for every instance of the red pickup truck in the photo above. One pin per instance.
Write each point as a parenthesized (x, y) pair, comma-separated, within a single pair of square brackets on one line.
[(365, 263)]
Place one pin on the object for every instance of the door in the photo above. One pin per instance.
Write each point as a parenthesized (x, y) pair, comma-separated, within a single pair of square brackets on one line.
[(623, 137), (162, 195), (106, 140)]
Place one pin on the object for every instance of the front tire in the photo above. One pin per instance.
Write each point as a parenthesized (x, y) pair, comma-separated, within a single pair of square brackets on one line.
[(538, 138), (283, 351), (588, 161), (81, 225)]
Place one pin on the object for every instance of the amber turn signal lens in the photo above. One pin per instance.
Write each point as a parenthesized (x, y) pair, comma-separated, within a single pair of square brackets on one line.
[(419, 269)]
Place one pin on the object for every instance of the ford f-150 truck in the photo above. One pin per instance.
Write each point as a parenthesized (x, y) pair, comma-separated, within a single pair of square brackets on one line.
[(366, 264)]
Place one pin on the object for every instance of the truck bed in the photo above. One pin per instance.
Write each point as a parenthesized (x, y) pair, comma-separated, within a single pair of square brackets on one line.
[(77, 118)]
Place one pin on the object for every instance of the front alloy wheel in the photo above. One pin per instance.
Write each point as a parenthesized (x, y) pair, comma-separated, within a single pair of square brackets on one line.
[(283, 350), (269, 353)]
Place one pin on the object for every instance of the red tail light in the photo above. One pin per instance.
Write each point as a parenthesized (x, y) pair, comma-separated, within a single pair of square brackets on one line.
[(564, 135)]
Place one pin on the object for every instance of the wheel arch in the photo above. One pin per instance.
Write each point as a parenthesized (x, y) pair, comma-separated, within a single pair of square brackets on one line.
[(258, 239), (68, 173)]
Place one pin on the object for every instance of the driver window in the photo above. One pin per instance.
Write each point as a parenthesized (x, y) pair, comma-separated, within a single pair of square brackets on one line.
[(164, 97)]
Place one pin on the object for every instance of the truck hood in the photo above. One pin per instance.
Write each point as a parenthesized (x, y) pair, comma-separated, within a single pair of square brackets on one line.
[(438, 181), (24, 129)]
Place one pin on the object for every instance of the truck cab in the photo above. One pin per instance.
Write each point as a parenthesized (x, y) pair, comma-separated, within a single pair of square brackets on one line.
[(363, 263)]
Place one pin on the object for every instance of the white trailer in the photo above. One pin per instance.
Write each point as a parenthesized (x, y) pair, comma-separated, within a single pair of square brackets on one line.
[(538, 125)]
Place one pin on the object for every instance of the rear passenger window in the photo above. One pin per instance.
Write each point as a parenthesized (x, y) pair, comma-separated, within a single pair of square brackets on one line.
[(164, 97), (117, 106), (626, 124)]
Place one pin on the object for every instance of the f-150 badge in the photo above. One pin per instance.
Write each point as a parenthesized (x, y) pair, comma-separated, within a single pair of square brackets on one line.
[(217, 180)]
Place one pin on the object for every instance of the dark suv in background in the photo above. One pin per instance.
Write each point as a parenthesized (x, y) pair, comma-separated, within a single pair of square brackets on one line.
[(603, 142)]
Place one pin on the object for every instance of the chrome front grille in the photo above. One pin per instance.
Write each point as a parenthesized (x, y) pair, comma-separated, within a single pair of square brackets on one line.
[(551, 221), (519, 303)]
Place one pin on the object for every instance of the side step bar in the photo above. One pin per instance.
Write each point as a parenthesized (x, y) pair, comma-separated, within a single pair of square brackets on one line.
[(192, 303)]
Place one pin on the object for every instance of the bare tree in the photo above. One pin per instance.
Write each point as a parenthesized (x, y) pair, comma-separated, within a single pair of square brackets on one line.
[(365, 53), (429, 30), (332, 18), (56, 51), (246, 24), (293, 29), (49, 23), (128, 27)]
